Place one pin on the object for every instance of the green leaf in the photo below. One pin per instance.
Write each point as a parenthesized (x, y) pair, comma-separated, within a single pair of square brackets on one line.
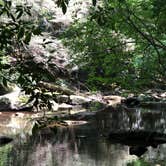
[(4, 81), (1, 2), (64, 7), (9, 3), (21, 80), (37, 31), (20, 14), (94, 2), (12, 16), (21, 33), (28, 12), (28, 37)]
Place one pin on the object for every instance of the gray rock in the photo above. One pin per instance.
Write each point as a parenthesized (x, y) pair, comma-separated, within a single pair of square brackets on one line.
[(5, 104)]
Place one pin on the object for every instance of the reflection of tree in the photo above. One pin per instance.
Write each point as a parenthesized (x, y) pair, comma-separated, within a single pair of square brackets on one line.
[(23, 152), (127, 119), (118, 120), (112, 120), (67, 148), (154, 121)]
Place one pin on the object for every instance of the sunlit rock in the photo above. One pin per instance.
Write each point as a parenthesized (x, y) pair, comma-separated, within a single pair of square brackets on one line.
[(65, 106), (79, 99), (163, 94), (112, 100)]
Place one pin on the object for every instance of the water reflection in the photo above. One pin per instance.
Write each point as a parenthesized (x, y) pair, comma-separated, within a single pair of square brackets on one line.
[(66, 148), (85, 145), (131, 119)]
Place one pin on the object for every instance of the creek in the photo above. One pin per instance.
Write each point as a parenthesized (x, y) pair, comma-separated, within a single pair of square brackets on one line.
[(82, 144)]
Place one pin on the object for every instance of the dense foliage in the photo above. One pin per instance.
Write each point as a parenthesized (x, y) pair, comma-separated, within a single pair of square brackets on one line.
[(18, 25), (123, 42), (16, 29)]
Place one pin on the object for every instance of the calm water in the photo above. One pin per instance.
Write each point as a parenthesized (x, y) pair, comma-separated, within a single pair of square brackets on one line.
[(86, 145)]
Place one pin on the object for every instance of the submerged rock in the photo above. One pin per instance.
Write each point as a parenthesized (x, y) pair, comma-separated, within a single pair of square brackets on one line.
[(5, 140)]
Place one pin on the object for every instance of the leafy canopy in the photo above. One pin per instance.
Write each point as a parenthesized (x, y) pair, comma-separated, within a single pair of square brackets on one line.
[(122, 42)]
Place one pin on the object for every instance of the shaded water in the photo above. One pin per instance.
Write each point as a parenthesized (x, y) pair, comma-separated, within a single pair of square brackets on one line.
[(86, 145)]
